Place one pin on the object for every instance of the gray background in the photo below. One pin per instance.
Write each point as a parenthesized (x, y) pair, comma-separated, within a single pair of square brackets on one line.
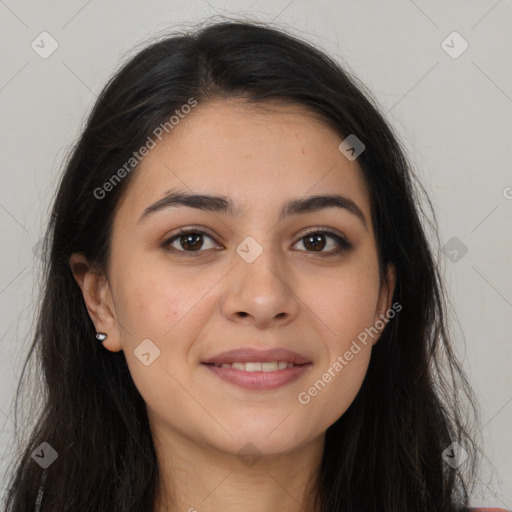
[(453, 115)]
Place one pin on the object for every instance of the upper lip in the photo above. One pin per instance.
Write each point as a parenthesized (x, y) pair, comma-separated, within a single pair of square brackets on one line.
[(244, 355)]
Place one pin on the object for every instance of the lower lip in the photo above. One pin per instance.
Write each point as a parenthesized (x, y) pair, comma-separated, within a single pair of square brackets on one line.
[(259, 381)]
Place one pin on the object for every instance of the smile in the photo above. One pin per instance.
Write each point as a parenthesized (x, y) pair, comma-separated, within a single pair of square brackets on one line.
[(258, 376), (271, 366)]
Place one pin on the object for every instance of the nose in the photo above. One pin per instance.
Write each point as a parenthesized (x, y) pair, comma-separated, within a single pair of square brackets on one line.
[(260, 293)]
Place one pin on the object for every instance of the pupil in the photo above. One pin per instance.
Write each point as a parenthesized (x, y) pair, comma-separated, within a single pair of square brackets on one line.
[(315, 241), (195, 237)]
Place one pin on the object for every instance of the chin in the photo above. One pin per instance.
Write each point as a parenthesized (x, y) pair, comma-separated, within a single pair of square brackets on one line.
[(266, 440)]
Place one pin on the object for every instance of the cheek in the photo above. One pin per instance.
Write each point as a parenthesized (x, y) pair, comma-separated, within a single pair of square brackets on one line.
[(347, 306), (155, 309), (338, 378), (154, 300), (332, 392), (169, 309)]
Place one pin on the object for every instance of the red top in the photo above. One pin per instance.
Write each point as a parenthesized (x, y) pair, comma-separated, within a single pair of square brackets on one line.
[(489, 510)]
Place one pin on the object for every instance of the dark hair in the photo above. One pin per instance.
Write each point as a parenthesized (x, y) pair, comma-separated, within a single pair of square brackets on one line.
[(385, 451)]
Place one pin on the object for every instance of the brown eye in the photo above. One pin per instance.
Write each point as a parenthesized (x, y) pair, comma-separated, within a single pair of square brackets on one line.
[(317, 241), (192, 241), (187, 241)]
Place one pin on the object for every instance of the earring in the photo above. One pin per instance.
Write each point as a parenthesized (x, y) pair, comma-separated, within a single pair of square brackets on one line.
[(101, 336)]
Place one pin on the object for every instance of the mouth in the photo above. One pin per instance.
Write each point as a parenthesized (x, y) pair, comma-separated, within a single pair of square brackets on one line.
[(255, 376), (250, 355), (258, 370), (257, 366)]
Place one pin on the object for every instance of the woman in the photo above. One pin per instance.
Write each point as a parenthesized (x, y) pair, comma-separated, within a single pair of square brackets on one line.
[(241, 306)]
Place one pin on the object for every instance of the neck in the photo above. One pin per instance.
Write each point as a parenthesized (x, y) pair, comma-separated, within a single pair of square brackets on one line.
[(196, 478)]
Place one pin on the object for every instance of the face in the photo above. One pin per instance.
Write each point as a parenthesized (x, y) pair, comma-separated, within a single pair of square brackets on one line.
[(302, 281)]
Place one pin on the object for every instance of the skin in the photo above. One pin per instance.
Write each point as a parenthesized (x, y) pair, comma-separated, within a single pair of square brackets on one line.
[(195, 307)]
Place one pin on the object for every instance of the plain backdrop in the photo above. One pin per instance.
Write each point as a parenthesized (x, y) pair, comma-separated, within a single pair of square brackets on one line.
[(452, 112)]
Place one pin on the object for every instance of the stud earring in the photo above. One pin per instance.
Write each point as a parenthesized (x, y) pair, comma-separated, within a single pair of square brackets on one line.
[(101, 336)]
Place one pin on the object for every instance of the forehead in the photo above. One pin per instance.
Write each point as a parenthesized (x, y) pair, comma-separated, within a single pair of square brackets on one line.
[(258, 156)]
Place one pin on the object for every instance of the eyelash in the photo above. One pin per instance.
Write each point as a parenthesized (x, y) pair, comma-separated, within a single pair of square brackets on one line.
[(343, 244)]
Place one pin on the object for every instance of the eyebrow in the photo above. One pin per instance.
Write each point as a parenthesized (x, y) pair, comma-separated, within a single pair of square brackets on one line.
[(224, 204)]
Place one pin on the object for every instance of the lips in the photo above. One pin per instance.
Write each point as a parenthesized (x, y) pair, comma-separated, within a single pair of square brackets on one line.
[(247, 355), (258, 370)]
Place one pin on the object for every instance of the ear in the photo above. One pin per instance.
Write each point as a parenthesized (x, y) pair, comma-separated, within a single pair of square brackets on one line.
[(98, 300), (384, 302)]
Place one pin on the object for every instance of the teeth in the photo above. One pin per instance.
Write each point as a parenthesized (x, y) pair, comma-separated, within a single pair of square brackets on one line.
[(270, 366), (253, 367)]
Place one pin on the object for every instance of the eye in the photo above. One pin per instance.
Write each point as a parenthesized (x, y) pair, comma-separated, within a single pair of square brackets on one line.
[(317, 240), (187, 241)]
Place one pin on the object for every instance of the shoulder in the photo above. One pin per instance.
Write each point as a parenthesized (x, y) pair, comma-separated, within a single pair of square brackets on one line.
[(488, 510)]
